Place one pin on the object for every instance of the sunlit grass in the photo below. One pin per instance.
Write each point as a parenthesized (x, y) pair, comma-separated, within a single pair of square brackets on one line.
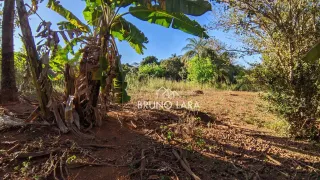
[(151, 84), (240, 107)]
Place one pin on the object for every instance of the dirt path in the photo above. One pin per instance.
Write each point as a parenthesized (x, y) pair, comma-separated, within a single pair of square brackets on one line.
[(215, 143)]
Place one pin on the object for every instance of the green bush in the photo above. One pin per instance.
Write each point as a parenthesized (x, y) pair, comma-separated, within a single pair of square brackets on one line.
[(174, 68), (153, 70), (200, 70), (245, 81), (296, 98), (149, 60)]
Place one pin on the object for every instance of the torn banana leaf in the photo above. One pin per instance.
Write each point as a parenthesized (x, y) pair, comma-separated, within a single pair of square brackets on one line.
[(119, 85)]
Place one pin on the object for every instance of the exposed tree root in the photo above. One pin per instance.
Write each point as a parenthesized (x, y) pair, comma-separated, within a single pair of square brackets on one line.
[(78, 133)]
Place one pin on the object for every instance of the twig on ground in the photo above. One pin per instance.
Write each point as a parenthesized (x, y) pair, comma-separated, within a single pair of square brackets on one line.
[(303, 164), (119, 121), (9, 142), (61, 165), (240, 170), (78, 165), (168, 166), (143, 164), (183, 155), (34, 115), (98, 146), (148, 132), (55, 172), (82, 164), (9, 151), (273, 160), (135, 126), (154, 170), (35, 154), (185, 166), (50, 166)]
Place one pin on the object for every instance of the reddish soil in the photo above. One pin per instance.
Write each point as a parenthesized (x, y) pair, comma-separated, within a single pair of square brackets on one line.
[(214, 147), (19, 110)]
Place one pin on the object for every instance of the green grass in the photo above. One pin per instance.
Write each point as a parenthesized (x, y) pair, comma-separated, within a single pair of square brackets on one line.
[(280, 126), (151, 84)]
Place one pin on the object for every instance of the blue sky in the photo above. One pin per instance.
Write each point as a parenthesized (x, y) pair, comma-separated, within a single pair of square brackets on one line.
[(163, 42)]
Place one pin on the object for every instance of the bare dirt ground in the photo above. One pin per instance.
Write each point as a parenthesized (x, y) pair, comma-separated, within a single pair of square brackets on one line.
[(226, 138)]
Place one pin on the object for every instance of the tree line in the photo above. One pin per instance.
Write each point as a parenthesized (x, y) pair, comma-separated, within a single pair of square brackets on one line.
[(200, 63)]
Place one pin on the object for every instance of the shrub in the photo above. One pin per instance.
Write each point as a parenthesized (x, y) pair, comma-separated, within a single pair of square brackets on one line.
[(296, 98), (152, 70), (173, 67), (200, 70), (149, 60)]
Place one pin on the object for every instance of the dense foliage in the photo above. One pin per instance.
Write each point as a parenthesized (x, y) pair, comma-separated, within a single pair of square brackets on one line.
[(149, 60), (282, 32), (200, 70), (201, 64), (153, 70)]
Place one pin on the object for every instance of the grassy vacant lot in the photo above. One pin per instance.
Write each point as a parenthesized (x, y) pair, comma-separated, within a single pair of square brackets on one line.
[(230, 136), (231, 107)]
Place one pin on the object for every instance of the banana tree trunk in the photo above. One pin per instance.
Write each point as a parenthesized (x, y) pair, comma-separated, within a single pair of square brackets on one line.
[(9, 91), (69, 81), (33, 57), (88, 89), (96, 68)]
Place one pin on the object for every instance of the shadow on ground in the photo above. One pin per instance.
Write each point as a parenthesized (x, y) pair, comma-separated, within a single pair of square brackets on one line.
[(148, 137)]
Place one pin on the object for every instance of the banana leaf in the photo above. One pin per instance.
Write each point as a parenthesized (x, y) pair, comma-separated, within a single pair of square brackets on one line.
[(92, 12), (175, 20), (126, 31), (55, 6), (120, 85), (189, 7)]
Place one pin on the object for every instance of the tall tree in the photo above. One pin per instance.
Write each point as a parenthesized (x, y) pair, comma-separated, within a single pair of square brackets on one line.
[(149, 60), (173, 67), (282, 32), (33, 59), (9, 91), (197, 47)]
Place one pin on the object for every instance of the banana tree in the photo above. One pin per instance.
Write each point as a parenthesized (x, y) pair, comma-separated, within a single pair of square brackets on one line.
[(165, 13), (100, 66)]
